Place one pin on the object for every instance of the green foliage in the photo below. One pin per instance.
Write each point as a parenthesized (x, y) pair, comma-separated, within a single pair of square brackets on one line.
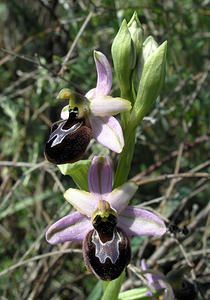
[(78, 171)]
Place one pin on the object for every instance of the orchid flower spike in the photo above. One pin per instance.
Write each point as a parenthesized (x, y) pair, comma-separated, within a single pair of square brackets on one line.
[(104, 221), (86, 117), (157, 281)]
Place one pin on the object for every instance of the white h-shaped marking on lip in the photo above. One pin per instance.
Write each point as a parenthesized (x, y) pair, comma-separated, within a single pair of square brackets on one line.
[(109, 249), (61, 133)]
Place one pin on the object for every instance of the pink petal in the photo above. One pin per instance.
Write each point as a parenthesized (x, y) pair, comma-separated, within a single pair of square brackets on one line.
[(72, 227), (82, 201), (108, 132), (119, 197), (102, 106), (100, 177), (138, 221), (151, 278), (104, 74)]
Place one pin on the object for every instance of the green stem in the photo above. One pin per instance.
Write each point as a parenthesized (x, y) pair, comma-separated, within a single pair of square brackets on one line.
[(112, 289), (126, 94), (126, 156)]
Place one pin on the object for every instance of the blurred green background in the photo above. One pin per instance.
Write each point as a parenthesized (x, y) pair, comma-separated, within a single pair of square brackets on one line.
[(35, 37)]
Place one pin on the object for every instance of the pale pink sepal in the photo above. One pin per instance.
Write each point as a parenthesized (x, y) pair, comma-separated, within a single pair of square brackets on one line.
[(90, 94), (108, 132), (104, 74), (82, 201), (72, 227), (100, 177), (120, 197), (138, 221), (102, 106)]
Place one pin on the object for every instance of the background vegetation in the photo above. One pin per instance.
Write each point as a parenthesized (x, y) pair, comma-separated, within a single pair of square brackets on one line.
[(35, 38)]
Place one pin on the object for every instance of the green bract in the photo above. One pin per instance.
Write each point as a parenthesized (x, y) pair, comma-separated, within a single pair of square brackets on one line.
[(151, 82), (78, 171)]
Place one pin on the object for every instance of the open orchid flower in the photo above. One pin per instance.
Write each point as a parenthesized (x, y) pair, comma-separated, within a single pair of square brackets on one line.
[(104, 221), (88, 116), (157, 281)]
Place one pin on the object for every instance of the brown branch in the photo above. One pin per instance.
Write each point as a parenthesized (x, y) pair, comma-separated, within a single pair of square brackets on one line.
[(38, 257), (145, 180), (187, 147), (169, 243), (68, 55)]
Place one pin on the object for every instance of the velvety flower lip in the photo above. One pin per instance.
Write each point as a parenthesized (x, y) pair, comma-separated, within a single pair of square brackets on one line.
[(131, 219), (157, 282), (102, 107)]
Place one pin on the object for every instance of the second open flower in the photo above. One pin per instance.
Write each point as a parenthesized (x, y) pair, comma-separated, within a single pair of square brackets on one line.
[(104, 222)]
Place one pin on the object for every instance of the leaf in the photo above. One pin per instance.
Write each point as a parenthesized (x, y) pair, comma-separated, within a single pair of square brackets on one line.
[(113, 288), (134, 294), (78, 171), (138, 294)]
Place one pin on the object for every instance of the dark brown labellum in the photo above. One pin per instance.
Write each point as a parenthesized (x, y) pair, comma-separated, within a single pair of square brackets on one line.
[(68, 140), (106, 259)]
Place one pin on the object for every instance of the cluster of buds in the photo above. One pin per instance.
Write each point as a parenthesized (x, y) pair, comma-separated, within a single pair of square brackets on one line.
[(140, 67)]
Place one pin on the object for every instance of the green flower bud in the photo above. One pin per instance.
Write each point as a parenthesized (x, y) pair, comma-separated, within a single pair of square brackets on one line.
[(149, 46), (152, 79), (124, 58), (137, 33)]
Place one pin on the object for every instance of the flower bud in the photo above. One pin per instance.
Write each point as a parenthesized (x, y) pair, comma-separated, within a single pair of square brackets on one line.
[(137, 33), (124, 58), (149, 46), (151, 82), (68, 140)]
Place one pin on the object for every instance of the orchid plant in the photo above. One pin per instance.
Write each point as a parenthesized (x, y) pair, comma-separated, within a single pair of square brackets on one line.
[(104, 221)]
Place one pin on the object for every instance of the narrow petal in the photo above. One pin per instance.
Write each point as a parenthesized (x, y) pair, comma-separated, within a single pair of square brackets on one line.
[(65, 112), (137, 221), (151, 278), (104, 74), (168, 293), (102, 106), (119, 197), (100, 177), (108, 132), (82, 201), (72, 227)]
